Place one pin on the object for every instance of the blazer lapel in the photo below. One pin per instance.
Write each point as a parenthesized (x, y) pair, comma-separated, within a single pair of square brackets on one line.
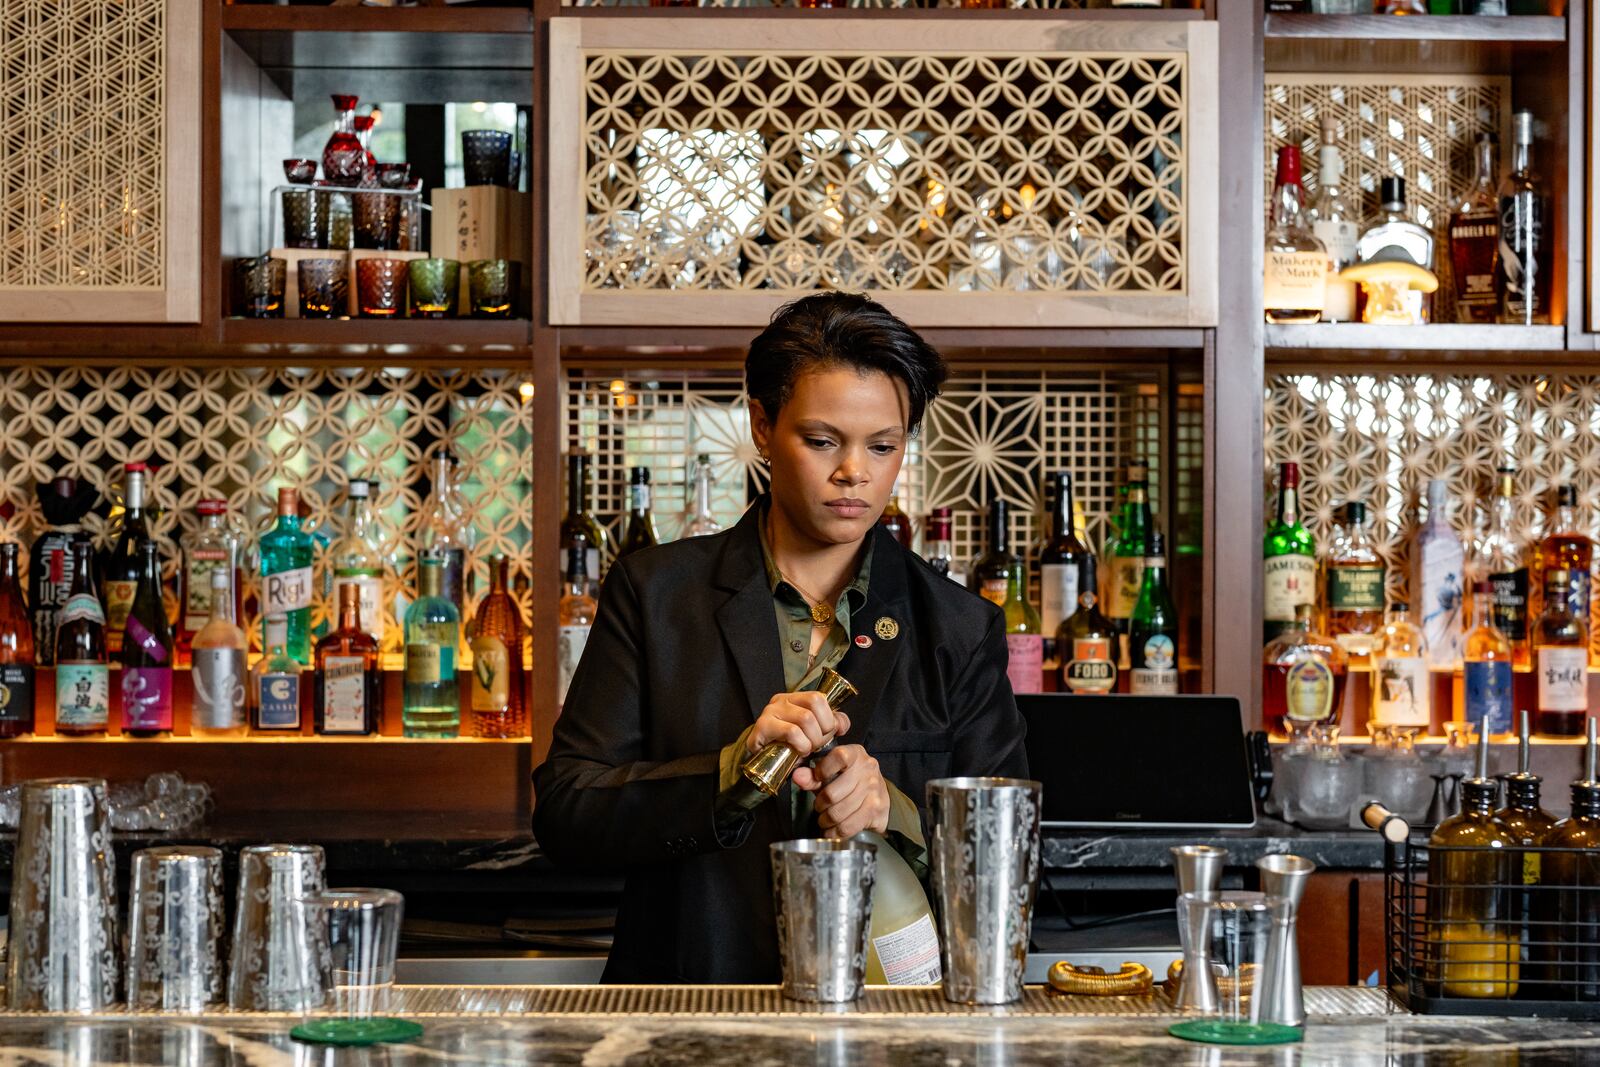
[(747, 621), (870, 669)]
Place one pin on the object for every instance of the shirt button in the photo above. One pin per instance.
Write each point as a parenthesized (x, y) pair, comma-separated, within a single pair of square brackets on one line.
[(797, 646)]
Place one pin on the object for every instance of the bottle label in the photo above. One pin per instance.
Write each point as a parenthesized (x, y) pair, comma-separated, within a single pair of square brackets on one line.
[(81, 607), (1308, 690), (1295, 281), (147, 698), (1158, 675), (197, 586), (570, 642), (286, 591), (1521, 241), (369, 587), (429, 663), (51, 584), (1440, 570), (1563, 678), (1400, 694), (1290, 581), (910, 955), (344, 695), (218, 677), (119, 601), (491, 675), (1025, 662), (1338, 237), (1474, 237), (16, 692), (1356, 588), (591, 563), (1509, 592), (1091, 669), (83, 695), (278, 700), (141, 636), (1058, 593), (994, 590), (1488, 695), (452, 575), (1127, 575)]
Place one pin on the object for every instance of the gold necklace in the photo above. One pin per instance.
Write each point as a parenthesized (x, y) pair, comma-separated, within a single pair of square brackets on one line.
[(821, 611)]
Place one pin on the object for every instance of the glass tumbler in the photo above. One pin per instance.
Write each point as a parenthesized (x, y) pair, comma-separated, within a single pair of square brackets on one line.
[(261, 280), (486, 156), (324, 288), (1233, 938), (492, 285), (380, 287), (377, 220), (305, 218), (363, 938), (435, 284)]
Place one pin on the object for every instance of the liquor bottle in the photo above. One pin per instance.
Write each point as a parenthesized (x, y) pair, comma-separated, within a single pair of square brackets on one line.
[(1561, 659), (432, 705), (700, 522), (1336, 225), (1522, 817), (348, 697), (214, 545), (1290, 558), (447, 536), (1438, 569), (1401, 694), (495, 635), (1566, 546), (122, 567), (1086, 642), (1153, 631), (1355, 586), (219, 652), (1474, 235), (147, 654), (1572, 915), (1132, 548), (574, 615), (1523, 277), (286, 557), (63, 502), (1486, 674), (991, 572), (1303, 676), (275, 682), (1505, 565), (903, 944), (581, 521), (16, 650), (358, 560), (897, 522), (83, 682), (641, 528), (1394, 229), (1024, 641), (1296, 262), (1060, 562), (938, 543)]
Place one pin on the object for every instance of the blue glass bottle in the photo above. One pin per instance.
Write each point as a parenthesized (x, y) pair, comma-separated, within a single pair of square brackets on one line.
[(432, 705), (286, 558)]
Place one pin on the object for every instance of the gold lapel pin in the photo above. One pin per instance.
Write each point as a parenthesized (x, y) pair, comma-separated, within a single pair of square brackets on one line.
[(887, 628)]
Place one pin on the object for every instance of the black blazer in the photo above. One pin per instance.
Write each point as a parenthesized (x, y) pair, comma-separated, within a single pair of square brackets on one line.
[(683, 656)]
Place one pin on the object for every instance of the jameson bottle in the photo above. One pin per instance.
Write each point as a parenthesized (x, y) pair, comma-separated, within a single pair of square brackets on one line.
[(16, 650), (1561, 660), (1290, 557), (495, 637), (641, 532), (1153, 631), (147, 654), (286, 559), (1086, 643), (219, 673), (83, 682), (358, 557), (1060, 562), (432, 704), (122, 567), (349, 688), (1503, 561), (580, 521)]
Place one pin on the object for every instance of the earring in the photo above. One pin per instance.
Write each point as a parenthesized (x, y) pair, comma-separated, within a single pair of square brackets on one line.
[(765, 459)]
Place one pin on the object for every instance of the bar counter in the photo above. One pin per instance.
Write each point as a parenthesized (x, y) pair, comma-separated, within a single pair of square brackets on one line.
[(739, 1026)]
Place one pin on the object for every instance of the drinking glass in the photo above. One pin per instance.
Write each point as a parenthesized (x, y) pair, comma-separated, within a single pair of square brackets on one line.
[(300, 171), (394, 175), (435, 284), (822, 891), (324, 288), (175, 929), (486, 156), (339, 226), (362, 927), (380, 287), (261, 280), (1234, 935), (305, 218), (492, 285), (377, 220)]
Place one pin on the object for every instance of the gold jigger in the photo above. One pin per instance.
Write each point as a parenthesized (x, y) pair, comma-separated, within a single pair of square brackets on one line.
[(768, 769)]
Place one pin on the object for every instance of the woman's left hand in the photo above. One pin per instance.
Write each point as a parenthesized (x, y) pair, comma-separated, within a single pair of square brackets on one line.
[(851, 794)]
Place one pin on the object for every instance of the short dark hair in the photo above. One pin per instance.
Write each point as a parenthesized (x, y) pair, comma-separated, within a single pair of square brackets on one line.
[(840, 329)]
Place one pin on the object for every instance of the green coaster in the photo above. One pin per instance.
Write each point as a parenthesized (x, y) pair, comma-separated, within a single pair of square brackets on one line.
[(356, 1031), (1217, 1032)]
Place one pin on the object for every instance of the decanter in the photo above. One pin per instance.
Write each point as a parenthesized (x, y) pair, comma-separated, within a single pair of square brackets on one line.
[(344, 158)]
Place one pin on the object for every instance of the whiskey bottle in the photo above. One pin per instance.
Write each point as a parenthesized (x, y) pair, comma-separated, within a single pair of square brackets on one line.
[(432, 704), (1355, 587), (1296, 262), (1502, 561), (1486, 673), (641, 531), (1153, 631), (495, 636), (1474, 236), (147, 654), (275, 683), (1290, 558), (1303, 677), (991, 572), (1086, 643), (1561, 659), (122, 566), (1438, 570), (348, 693), (1060, 562), (700, 522), (213, 545), (896, 521), (1336, 225), (286, 559), (83, 682), (574, 615), (219, 673), (447, 536), (1393, 229), (1525, 244), (358, 558), (1565, 546), (1401, 693), (16, 650), (580, 521)]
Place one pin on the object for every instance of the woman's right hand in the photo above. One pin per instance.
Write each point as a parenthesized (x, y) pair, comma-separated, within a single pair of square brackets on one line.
[(803, 721)]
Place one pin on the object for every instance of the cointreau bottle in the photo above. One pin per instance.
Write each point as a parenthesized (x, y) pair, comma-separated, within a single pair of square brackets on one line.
[(349, 688)]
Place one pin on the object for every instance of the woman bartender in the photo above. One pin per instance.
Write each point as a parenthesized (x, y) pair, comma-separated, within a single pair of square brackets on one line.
[(699, 646)]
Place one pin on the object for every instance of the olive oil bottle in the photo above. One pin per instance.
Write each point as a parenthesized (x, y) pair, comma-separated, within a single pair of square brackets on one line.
[(1570, 901)]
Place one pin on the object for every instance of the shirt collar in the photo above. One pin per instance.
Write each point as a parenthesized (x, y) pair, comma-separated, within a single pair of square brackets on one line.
[(781, 589)]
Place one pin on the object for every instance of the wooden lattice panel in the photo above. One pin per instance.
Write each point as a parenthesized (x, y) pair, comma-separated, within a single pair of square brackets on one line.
[(99, 135), (993, 431), (1381, 438), (1418, 127), (240, 434), (1025, 173)]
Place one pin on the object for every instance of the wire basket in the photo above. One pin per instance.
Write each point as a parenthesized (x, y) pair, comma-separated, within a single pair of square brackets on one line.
[(1493, 931)]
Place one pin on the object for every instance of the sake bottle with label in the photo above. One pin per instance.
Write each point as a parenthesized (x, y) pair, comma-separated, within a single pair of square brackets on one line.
[(16, 650), (147, 654), (83, 681), (1401, 693)]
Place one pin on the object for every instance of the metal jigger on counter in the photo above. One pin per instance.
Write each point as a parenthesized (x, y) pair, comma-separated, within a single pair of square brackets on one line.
[(1283, 878), (1199, 873), (764, 773)]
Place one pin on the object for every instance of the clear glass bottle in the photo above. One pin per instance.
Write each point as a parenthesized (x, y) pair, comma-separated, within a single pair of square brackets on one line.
[(287, 553), (574, 615), (147, 654), (1401, 687), (1438, 576), (1289, 557), (432, 706), (1487, 668), (358, 557), (1296, 262), (1526, 239), (348, 694), (1303, 678), (344, 160), (496, 636), (1474, 236), (219, 651), (446, 534), (1354, 577), (123, 563), (83, 681), (700, 522), (1086, 642), (1561, 659), (1503, 561), (275, 682), (1153, 632), (1335, 224), (16, 649), (213, 545), (1393, 228)]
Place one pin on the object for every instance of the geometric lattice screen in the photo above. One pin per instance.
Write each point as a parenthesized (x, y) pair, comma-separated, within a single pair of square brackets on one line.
[(1421, 128), (240, 434), (1380, 438), (1055, 184)]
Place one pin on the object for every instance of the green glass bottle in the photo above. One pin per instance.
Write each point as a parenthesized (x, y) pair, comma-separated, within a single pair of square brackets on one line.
[(1153, 630), (1290, 557), (286, 558), (432, 705), (1024, 641), (1128, 553)]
